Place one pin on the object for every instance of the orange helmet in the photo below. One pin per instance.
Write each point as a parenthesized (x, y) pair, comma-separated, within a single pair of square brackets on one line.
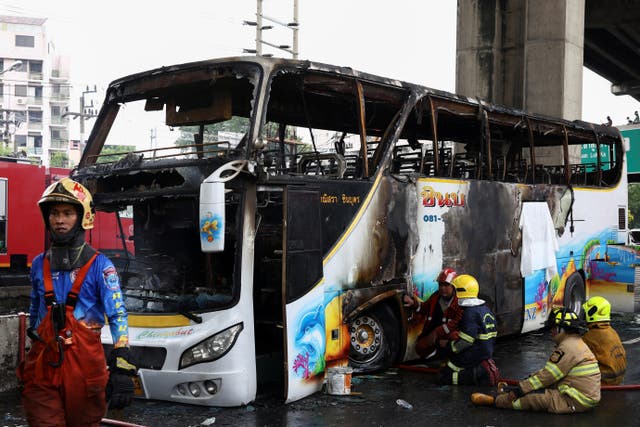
[(446, 275)]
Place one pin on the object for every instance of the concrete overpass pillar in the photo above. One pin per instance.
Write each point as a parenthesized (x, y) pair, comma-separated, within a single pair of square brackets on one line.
[(526, 54)]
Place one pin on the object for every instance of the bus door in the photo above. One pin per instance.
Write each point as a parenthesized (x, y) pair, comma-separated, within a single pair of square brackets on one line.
[(302, 292)]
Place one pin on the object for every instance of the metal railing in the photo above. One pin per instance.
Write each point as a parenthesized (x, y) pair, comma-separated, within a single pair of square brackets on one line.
[(206, 150), (59, 144)]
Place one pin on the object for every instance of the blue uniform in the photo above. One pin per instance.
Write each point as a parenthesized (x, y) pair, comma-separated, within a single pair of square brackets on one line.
[(478, 334), (100, 294), (471, 360)]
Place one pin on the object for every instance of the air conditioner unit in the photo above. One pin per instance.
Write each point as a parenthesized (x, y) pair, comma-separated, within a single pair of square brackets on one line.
[(21, 101)]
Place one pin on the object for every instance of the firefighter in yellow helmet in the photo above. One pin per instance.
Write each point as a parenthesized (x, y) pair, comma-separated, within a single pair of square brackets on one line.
[(74, 288), (604, 341), (569, 382), (471, 354)]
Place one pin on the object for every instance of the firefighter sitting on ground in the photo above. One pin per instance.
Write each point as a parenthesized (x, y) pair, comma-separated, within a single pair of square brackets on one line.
[(73, 288), (471, 354), (442, 315), (604, 341), (569, 381)]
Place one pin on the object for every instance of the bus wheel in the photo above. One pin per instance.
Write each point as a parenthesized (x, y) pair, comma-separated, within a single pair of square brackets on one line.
[(574, 293), (374, 339)]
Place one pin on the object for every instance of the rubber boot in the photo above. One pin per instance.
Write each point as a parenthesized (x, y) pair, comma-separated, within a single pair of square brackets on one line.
[(481, 399)]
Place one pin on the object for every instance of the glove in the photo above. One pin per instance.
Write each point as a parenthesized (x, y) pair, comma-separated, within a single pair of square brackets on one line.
[(514, 391), (120, 386)]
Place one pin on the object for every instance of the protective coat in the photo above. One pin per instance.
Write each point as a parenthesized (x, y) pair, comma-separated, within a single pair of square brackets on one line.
[(605, 344)]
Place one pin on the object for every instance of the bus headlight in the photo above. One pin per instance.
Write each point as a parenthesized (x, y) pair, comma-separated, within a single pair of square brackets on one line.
[(212, 348)]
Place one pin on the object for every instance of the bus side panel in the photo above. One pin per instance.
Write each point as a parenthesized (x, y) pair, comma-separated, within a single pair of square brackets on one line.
[(473, 226), (588, 249)]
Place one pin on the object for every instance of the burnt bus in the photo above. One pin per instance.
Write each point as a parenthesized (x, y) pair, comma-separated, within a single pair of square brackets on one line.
[(282, 208)]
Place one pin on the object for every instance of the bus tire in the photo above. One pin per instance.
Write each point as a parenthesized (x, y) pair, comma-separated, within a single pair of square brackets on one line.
[(374, 339), (574, 293)]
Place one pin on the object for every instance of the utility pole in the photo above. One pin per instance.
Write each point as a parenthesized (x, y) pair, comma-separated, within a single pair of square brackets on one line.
[(86, 111), (83, 112), (260, 18)]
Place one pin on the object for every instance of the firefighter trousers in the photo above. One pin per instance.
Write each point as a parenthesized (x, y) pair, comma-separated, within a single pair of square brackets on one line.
[(68, 389), (547, 400)]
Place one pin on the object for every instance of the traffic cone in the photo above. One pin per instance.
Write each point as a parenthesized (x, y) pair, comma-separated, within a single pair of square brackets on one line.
[(481, 399)]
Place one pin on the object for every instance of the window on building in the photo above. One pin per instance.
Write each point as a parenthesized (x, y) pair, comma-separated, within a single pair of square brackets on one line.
[(20, 90), (25, 41), (35, 66), (35, 116), (20, 140)]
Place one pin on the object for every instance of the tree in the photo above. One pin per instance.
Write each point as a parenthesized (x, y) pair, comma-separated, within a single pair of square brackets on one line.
[(634, 205), (59, 160), (113, 153), (235, 124)]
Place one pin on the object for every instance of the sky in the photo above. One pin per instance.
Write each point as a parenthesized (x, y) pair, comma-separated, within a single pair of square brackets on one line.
[(408, 40)]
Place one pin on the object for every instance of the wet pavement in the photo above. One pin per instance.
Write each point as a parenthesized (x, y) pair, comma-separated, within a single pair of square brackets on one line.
[(373, 401)]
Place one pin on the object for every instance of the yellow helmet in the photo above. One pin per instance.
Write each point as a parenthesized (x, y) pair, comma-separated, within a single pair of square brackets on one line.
[(597, 309), (68, 191), (466, 286)]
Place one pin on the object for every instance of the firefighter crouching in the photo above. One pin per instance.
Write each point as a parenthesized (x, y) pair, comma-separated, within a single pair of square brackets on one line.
[(471, 354), (74, 287), (604, 341), (569, 381)]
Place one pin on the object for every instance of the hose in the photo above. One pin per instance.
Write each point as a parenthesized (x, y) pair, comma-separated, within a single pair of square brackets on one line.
[(603, 387), (111, 422), (22, 330)]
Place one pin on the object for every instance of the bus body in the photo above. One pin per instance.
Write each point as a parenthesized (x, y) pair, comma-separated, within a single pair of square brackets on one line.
[(282, 209), (22, 232)]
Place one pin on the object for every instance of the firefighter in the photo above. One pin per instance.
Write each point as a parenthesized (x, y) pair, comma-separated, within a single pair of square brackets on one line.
[(442, 315), (569, 381), (471, 354), (74, 287), (604, 341)]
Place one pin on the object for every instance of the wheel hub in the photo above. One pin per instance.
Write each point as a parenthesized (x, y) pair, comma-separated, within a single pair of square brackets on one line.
[(365, 335)]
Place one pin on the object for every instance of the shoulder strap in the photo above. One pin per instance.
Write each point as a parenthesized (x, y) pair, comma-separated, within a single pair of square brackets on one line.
[(72, 297)]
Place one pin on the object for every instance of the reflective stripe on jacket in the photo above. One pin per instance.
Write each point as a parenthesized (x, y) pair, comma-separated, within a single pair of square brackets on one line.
[(572, 369)]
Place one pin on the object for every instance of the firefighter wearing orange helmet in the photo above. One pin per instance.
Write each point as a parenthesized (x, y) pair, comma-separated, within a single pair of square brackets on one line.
[(74, 287)]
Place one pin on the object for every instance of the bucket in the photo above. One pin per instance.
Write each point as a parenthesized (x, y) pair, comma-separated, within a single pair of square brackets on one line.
[(339, 380)]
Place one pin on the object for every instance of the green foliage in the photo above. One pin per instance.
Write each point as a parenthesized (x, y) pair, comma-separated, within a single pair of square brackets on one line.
[(113, 153), (634, 205), (5, 151), (235, 124), (59, 160)]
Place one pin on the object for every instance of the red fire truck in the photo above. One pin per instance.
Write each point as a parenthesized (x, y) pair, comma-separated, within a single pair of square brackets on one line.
[(22, 233)]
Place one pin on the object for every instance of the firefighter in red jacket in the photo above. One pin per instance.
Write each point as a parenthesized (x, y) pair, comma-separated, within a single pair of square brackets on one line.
[(604, 341), (74, 287), (442, 315)]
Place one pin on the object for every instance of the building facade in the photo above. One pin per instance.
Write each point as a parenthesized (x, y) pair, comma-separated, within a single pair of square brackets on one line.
[(35, 93)]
